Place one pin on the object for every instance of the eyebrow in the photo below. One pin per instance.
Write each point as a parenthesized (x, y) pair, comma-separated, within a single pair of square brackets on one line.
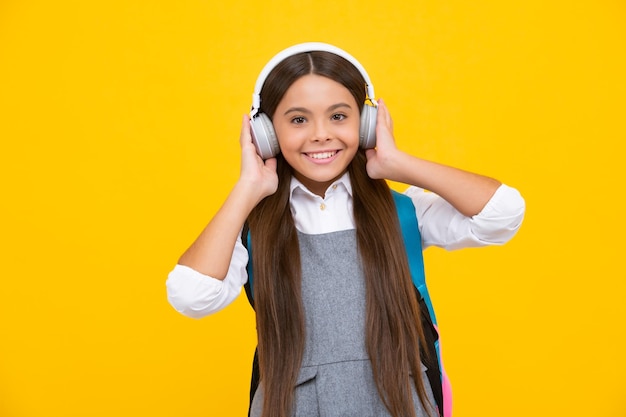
[(307, 111)]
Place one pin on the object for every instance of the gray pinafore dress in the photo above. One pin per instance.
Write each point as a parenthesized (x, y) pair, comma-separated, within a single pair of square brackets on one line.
[(335, 378)]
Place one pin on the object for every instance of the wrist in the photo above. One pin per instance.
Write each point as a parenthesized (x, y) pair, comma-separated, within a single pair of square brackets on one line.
[(398, 165), (247, 194)]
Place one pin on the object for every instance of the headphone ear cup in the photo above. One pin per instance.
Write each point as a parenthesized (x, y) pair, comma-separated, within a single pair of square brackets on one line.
[(264, 136), (367, 131)]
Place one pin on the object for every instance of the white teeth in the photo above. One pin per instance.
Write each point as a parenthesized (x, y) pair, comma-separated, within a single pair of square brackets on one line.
[(322, 155)]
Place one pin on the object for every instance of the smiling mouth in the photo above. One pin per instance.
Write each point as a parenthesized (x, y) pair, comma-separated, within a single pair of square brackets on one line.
[(321, 155)]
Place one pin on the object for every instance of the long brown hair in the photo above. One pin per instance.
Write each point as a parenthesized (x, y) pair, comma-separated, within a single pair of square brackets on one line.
[(394, 334)]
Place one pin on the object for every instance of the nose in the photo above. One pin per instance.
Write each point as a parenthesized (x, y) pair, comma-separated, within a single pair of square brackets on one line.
[(321, 131)]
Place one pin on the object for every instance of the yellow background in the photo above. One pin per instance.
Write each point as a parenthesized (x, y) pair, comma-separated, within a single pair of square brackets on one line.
[(119, 123)]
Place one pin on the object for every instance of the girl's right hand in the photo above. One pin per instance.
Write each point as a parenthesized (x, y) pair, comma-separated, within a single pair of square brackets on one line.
[(260, 176)]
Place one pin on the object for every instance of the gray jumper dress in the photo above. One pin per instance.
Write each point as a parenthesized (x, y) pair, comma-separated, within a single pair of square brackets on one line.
[(335, 378)]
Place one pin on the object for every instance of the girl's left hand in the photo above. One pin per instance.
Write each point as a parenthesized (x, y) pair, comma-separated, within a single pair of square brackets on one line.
[(381, 161)]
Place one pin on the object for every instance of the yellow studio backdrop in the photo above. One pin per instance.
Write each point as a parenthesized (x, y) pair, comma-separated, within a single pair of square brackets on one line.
[(119, 125)]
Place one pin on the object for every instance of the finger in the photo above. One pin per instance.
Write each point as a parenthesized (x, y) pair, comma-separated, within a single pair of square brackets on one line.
[(245, 137), (271, 164), (383, 128), (385, 114), (381, 119)]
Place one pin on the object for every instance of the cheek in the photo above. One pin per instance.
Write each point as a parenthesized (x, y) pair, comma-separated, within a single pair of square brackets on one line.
[(350, 133), (289, 138)]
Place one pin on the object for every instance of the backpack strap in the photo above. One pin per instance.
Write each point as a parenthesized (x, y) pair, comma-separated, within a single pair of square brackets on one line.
[(437, 376), (256, 375), (247, 243), (413, 245)]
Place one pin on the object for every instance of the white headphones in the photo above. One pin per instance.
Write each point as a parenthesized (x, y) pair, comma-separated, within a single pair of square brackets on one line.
[(263, 134)]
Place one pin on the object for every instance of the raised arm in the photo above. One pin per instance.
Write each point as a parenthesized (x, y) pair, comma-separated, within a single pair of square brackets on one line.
[(211, 252), (466, 191)]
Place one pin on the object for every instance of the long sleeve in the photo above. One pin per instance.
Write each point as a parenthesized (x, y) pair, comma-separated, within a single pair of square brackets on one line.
[(197, 295), (443, 226)]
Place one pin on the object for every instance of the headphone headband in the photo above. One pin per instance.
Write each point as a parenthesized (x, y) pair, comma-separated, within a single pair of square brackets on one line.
[(305, 47)]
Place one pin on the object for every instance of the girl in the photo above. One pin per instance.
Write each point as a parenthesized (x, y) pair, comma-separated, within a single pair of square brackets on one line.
[(339, 325)]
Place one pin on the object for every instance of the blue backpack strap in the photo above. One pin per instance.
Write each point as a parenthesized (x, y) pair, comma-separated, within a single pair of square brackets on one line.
[(413, 245), (247, 243), (255, 378)]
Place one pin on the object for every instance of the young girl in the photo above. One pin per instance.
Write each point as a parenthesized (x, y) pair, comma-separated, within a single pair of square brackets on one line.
[(339, 325)]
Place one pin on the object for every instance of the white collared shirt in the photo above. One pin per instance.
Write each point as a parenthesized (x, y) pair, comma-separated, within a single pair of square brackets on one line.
[(197, 295)]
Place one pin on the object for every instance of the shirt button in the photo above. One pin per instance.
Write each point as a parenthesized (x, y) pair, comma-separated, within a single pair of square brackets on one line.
[(335, 187), (322, 206)]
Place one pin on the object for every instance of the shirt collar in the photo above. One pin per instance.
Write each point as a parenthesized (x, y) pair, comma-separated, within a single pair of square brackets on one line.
[(344, 181)]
